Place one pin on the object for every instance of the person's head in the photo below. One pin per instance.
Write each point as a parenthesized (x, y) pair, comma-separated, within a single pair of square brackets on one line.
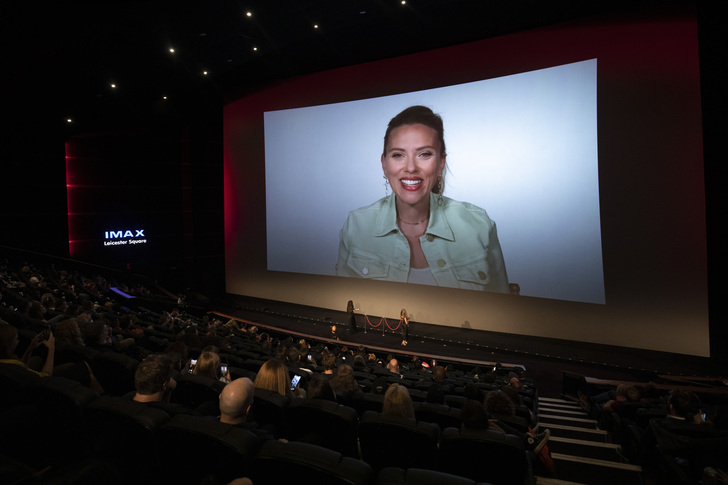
[(153, 376), (8, 340), (473, 415), (403, 314), (319, 387), (293, 356), (414, 155), (273, 375), (397, 402), (235, 400), (208, 365), (497, 403), (439, 374), (350, 307), (393, 366), (512, 394), (96, 332), (681, 403), (68, 332), (345, 379), (328, 362)]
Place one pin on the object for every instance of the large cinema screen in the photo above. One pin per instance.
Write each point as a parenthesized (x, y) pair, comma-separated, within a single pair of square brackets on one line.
[(581, 141)]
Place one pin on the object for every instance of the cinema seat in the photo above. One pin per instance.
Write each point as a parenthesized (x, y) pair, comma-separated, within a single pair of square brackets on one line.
[(269, 408), (124, 433), (115, 372), (323, 423), (419, 476), (485, 455), (193, 448), (304, 463), (396, 441)]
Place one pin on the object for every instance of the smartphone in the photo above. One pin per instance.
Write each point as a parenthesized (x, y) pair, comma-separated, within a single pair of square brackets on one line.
[(193, 363), (223, 369), (294, 381)]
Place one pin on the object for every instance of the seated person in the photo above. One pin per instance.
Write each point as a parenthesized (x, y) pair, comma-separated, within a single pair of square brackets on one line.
[(236, 399), (498, 404), (397, 402), (319, 387), (154, 385), (209, 365), (9, 342)]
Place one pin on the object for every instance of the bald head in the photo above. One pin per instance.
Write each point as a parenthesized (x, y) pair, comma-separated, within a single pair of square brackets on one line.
[(235, 400)]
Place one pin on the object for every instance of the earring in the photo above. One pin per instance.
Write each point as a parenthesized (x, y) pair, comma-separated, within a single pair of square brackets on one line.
[(386, 185), (440, 188)]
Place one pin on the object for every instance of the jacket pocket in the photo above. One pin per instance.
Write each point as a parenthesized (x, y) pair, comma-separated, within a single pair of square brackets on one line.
[(366, 266), (475, 273)]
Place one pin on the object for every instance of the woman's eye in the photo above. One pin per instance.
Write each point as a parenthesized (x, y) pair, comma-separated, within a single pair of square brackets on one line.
[(425, 154)]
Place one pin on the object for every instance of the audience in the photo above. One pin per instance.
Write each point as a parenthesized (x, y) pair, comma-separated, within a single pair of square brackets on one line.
[(83, 318)]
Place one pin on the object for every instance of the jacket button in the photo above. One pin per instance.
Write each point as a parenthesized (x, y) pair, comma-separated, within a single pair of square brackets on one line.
[(365, 270), (441, 262), (482, 275), (430, 237)]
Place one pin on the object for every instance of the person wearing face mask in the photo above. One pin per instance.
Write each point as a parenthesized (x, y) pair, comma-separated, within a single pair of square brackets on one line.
[(416, 234)]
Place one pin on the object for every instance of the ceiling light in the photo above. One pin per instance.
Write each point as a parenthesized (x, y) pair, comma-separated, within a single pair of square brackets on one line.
[(255, 49), (315, 26), (248, 14), (171, 49), (113, 86), (204, 73), (69, 120)]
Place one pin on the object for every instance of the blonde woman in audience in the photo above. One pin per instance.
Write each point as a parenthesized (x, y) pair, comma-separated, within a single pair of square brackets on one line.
[(274, 376), (208, 364), (397, 402)]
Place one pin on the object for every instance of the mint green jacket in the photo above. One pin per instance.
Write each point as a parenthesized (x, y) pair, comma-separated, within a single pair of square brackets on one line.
[(460, 244)]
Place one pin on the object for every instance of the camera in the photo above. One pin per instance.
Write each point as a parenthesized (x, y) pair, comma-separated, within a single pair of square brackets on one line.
[(193, 363)]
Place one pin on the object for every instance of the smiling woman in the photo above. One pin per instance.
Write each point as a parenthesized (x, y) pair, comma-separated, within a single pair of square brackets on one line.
[(416, 234)]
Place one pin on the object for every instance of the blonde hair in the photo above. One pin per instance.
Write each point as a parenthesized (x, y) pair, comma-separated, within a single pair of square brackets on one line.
[(397, 402), (208, 365), (273, 375)]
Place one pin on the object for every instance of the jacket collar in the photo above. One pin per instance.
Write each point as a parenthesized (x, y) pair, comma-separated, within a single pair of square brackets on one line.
[(438, 225)]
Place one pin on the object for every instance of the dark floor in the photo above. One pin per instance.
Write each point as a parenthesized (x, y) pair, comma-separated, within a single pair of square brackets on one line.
[(545, 359)]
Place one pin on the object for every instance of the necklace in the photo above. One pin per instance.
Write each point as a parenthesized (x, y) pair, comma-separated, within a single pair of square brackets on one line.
[(412, 223)]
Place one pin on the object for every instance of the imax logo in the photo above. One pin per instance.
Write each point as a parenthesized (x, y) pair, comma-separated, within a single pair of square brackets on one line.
[(122, 234)]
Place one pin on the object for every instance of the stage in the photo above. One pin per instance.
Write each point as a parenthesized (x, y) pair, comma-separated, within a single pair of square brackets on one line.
[(545, 360)]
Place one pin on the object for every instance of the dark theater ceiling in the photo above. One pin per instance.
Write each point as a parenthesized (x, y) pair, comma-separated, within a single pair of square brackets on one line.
[(92, 60)]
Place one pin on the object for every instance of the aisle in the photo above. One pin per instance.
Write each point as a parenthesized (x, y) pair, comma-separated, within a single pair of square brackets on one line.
[(580, 450)]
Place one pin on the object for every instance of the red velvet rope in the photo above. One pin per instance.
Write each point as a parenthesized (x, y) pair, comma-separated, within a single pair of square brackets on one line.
[(380, 323)]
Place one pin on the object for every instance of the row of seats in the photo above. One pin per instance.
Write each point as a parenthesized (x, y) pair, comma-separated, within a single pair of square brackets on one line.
[(64, 422)]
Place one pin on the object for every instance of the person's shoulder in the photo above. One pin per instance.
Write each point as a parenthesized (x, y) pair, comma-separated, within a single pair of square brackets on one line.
[(465, 209), (374, 207)]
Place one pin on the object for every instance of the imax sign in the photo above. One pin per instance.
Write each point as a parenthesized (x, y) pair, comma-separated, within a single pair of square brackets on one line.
[(123, 234)]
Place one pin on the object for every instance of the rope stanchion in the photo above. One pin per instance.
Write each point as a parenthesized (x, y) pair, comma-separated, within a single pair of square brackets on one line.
[(382, 322)]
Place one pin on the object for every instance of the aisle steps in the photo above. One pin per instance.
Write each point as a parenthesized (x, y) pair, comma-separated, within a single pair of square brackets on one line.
[(580, 450)]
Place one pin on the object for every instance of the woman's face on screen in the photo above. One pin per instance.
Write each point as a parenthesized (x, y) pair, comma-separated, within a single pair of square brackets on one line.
[(412, 162)]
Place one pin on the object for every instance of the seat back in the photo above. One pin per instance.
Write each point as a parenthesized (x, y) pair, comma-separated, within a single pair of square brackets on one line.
[(193, 448), (419, 476), (115, 372), (279, 462), (323, 423), (269, 408), (193, 390), (124, 433), (441, 414), (485, 455), (395, 441)]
